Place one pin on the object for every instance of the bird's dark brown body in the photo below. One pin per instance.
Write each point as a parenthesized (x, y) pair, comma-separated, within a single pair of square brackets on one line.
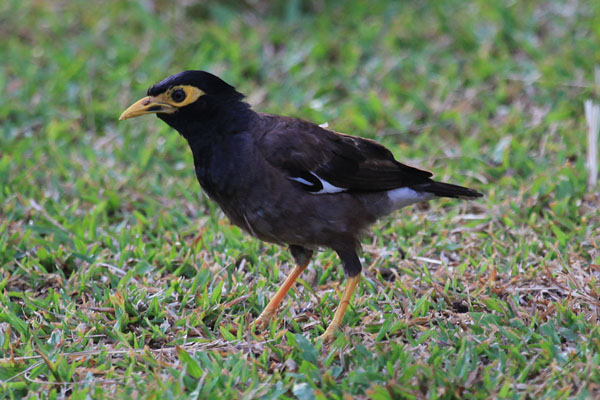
[(265, 203), (285, 180)]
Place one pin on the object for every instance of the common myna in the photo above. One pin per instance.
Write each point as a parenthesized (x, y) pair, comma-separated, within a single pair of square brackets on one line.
[(285, 180)]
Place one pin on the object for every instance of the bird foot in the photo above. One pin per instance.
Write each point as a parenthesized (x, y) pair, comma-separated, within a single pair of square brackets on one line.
[(264, 318), (329, 334)]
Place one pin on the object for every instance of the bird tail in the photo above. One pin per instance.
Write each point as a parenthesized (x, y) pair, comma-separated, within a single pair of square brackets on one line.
[(441, 189)]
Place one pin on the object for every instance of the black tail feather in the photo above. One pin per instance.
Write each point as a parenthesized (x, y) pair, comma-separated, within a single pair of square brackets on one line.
[(447, 190)]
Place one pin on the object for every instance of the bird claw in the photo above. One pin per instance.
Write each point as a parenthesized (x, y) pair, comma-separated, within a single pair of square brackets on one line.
[(329, 335), (263, 319)]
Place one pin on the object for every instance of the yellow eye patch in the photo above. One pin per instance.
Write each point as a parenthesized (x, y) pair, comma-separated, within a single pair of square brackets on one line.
[(192, 94)]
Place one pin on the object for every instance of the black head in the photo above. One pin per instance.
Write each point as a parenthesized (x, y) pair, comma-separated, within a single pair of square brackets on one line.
[(205, 81), (193, 102)]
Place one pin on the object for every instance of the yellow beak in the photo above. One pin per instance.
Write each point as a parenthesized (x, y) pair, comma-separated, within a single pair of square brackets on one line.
[(147, 105)]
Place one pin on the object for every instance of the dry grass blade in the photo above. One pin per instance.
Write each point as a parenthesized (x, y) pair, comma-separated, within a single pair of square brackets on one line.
[(592, 116)]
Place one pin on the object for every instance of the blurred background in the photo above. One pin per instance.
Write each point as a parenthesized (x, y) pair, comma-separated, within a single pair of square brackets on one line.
[(492, 80), (486, 93)]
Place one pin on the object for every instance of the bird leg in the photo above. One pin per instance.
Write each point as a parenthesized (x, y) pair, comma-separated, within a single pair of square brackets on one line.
[(269, 311), (341, 310), (302, 257)]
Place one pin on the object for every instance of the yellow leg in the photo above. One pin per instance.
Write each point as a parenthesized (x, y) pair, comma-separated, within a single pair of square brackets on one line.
[(265, 317), (339, 314)]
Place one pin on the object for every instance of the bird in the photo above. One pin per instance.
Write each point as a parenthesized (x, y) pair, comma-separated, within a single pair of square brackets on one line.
[(285, 180)]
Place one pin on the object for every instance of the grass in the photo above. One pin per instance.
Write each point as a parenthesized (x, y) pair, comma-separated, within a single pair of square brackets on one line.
[(119, 279)]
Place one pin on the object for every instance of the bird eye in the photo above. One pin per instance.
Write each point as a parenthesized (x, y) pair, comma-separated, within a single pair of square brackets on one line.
[(178, 95)]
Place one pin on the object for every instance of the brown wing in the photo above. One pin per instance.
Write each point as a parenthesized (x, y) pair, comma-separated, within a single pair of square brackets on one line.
[(316, 157)]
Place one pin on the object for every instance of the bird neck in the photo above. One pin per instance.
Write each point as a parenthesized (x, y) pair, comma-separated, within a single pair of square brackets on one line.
[(221, 147), (216, 125)]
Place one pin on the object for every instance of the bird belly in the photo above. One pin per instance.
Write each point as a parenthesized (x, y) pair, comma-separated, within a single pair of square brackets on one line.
[(300, 218)]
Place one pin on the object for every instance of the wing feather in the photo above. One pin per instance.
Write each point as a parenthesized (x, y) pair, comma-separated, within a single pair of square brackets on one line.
[(302, 149)]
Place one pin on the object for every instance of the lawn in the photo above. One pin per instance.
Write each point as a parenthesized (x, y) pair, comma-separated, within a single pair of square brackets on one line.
[(120, 279)]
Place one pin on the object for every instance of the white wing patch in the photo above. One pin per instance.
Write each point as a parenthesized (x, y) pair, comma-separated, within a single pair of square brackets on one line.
[(404, 196), (315, 184), (327, 187), (301, 180)]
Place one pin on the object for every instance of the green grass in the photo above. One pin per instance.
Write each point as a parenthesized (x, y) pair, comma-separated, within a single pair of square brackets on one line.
[(120, 279)]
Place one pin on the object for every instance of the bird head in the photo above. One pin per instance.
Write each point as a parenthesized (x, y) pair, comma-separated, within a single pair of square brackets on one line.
[(185, 99)]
